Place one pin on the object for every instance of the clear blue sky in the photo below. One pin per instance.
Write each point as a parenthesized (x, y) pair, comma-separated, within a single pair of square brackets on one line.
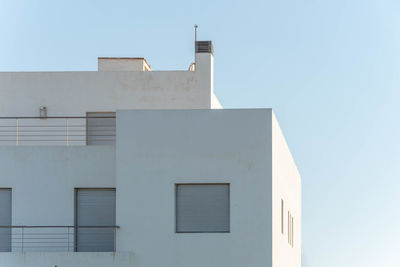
[(330, 69)]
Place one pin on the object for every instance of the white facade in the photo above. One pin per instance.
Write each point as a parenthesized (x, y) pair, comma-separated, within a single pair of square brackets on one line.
[(154, 151)]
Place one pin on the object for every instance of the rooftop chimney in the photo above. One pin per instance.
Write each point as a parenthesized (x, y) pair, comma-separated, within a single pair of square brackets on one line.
[(204, 66)]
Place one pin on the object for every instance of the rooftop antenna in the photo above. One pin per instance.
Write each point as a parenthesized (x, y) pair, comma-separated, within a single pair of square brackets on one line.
[(192, 66), (195, 40), (195, 32)]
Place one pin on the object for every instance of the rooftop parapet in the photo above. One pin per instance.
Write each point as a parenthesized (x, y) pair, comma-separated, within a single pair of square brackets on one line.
[(122, 64)]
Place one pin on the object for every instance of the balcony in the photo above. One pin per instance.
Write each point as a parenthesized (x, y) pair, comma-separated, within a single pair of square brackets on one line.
[(61, 131), (58, 238)]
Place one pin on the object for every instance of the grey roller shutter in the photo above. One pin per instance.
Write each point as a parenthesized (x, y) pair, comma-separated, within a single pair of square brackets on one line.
[(100, 128), (5, 220), (202, 208), (95, 208)]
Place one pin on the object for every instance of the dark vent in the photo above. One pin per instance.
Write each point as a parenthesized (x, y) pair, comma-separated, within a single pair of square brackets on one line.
[(204, 47)]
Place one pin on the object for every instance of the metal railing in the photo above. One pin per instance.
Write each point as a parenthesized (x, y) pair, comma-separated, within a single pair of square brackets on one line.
[(93, 130), (58, 238)]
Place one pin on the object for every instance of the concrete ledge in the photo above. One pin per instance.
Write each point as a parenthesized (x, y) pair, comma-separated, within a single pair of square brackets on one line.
[(66, 259)]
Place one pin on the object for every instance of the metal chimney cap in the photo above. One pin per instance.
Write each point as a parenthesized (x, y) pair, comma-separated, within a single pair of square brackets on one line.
[(204, 47)]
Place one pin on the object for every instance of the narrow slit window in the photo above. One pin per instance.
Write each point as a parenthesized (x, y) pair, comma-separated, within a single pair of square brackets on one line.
[(288, 225), (282, 216), (292, 232), (290, 229)]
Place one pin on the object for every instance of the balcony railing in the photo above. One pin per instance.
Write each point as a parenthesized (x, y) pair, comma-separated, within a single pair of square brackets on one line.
[(93, 130), (57, 238)]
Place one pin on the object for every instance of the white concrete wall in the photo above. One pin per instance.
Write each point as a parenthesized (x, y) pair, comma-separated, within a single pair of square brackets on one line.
[(43, 180), (156, 149), (57, 259), (75, 93), (286, 184), (205, 73)]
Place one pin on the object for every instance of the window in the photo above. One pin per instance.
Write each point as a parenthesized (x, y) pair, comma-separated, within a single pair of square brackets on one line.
[(202, 208), (5, 220), (291, 225), (100, 128), (290, 229), (95, 220), (282, 215), (288, 226)]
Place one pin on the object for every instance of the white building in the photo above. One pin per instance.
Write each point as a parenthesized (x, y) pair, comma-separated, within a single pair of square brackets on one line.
[(132, 167)]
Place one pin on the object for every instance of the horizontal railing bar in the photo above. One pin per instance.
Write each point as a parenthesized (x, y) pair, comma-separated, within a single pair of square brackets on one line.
[(38, 233), (42, 242), (28, 141), (58, 226), (63, 126), (36, 238), (56, 131), (19, 247), (31, 135), (60, 117), (42, 140), (54, 142), (22, 235)]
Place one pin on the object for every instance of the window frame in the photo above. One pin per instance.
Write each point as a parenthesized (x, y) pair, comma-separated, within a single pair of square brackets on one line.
[(76, 189), (101, 113), (176, 185), (11, 216)]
